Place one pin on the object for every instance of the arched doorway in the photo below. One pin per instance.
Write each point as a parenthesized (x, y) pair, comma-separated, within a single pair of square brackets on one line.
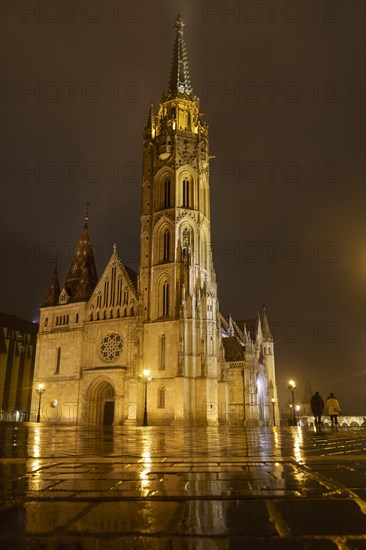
[(99, 407)]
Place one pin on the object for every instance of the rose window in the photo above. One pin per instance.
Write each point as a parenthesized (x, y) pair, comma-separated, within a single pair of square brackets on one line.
[(111, 347)]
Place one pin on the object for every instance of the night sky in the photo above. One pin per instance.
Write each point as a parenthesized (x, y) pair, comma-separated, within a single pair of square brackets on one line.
[(281, 86)]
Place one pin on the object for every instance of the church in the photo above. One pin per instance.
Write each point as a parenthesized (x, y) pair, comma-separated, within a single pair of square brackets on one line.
[(152, 348)]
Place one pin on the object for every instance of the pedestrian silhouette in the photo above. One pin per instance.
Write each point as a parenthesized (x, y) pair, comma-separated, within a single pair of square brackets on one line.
[(317, 407), (332, 408)]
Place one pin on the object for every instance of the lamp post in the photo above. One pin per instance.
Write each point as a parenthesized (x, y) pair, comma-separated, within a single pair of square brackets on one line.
[(291, 387), (273, 410), (40, 389), (146, 378)]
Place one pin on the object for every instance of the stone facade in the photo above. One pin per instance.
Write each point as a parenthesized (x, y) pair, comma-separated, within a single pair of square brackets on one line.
[(98, 336)]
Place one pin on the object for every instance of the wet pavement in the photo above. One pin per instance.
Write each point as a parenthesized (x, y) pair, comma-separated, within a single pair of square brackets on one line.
[(177, 488)]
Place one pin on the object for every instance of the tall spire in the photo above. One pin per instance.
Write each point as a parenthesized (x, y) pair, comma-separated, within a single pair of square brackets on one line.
[(82, 277), (180, 82), (265, 326), (53, 291)]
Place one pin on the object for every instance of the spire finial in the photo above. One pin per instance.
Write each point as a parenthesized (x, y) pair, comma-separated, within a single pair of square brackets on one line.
[(87, 213), (180, 82), (179, 24), (115, 248)]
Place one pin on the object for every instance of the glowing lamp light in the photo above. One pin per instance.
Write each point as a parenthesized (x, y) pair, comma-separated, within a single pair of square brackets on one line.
[(291, 387)]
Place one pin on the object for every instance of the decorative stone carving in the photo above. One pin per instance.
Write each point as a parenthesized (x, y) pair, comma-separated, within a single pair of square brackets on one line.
[(111, 347)]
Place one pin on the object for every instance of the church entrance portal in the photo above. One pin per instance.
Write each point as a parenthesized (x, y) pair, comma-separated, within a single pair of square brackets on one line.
[(108, 414), (100, 403)]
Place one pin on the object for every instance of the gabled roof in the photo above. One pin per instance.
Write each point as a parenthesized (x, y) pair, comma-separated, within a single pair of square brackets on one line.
[(129, 275), (130, 272)]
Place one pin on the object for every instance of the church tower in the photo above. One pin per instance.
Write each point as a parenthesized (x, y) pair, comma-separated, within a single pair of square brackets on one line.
[(151, 347), (177, 283)]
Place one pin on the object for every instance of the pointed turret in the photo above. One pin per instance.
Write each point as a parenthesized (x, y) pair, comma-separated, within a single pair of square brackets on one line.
[(230, 327), (180, 82), (53, 291), (82, 277), (265, 326), (150, 124), (258, 329)]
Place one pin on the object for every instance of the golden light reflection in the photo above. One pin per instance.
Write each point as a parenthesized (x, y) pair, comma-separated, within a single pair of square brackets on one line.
[(36, 444), (35, 465), (146, 461), (277, 444), (297, 445)]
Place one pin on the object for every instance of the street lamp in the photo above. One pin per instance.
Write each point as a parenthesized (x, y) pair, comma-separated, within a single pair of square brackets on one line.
[(40, 389), (273, 410), (291, 387), (146, 378)]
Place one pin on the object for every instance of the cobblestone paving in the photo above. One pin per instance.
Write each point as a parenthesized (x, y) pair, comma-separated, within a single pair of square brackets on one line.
[(177, 488)]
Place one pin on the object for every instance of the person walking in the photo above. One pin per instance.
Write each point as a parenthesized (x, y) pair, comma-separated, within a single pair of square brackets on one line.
[(317, 407), (332, 408)]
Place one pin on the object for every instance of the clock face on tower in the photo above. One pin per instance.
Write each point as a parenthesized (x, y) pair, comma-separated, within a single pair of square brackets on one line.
[(111, 347)]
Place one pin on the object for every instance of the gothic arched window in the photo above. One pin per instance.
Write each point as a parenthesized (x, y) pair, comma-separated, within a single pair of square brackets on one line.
[(166, 246), (113, 286), (166, 298), (125, 296), (161, 400), (119, 291), (166, 190), (162, 352), (186, 193), (106, 292)]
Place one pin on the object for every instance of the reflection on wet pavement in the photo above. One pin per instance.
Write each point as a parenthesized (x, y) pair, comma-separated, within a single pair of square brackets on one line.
[(169, 482)]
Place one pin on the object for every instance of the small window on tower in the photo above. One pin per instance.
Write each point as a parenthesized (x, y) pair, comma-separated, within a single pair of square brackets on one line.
[(166, 298), (166, 246), (167, 193)]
